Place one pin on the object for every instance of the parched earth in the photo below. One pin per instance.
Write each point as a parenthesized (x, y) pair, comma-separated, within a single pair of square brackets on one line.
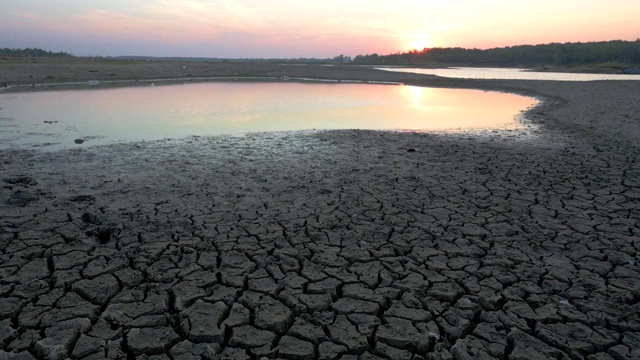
[(333, 245)]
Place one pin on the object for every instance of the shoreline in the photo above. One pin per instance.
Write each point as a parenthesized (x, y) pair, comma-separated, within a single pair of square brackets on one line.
[(262, 72), (340, 244), (97, 85)]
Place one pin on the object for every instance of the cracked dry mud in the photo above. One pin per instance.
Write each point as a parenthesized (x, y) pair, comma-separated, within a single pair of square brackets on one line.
[(331, 245)]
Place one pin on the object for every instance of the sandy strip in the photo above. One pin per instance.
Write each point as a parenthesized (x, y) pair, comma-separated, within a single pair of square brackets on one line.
[(335, 244)]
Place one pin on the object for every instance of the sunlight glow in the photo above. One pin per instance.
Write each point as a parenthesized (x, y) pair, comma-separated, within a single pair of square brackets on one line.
[(415, 95), (418, 43)]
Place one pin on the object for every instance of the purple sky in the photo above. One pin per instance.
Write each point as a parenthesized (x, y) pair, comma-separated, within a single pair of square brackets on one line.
[(284, 28)]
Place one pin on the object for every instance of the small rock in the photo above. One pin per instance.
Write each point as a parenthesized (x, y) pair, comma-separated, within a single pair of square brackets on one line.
[(78, 141), (239, 315), (398, 309), (89, 218), (151, 341), (233, 353), (87, 345), (390, 352), (182, 351), (328, 350), (82, 198), (21, 180), (98, 290), (308, 331), (21, 198), (401, 334), (249, 337), (526, 346), (7, 332), (345, 333), (347, 305), (292, 348), (48, 255), (200, 321), (60, 337), (272, 315), (104, 233)]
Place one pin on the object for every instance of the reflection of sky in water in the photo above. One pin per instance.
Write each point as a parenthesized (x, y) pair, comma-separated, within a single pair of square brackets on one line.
[(155, 112), (511, 74)]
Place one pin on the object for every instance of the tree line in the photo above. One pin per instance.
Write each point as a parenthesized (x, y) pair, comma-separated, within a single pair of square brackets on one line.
[(32, 52), (609, 53)]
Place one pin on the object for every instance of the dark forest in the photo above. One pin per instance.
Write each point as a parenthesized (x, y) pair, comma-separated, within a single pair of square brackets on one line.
[(606, 53)]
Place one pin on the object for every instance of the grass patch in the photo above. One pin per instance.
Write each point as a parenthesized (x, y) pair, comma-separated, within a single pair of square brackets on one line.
[(112, 61), (610, 65), (14, 62)]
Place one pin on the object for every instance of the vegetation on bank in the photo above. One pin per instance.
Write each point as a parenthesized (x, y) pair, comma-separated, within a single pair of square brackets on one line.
[(610, 54), (32, 52), (604, 53)]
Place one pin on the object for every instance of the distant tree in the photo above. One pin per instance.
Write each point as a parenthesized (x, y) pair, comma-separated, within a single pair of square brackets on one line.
[(32, 52), (620, 52), (342, 59)]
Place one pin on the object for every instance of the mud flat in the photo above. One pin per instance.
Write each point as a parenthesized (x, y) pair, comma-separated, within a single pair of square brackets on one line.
[(335, 244)]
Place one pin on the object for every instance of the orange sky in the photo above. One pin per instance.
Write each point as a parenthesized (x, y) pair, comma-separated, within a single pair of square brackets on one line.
[(285, 28)]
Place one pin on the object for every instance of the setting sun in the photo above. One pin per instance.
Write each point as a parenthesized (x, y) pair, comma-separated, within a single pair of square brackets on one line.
[(417, 43)]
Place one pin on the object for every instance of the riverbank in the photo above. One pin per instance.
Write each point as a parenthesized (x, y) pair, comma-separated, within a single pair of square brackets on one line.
[(334, 244), (57, 71)]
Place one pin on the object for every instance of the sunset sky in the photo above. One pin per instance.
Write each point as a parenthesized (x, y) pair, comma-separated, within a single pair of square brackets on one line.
[(292, 29)]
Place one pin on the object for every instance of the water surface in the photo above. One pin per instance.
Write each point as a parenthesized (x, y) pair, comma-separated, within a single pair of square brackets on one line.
[(511, 74), (55, 119)]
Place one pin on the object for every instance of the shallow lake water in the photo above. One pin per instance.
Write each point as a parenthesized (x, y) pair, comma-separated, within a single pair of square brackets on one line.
[(511, 74), (56, 119)]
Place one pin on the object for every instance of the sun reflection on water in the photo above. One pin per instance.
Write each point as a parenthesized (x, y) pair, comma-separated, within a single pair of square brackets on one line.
[(415, 96)]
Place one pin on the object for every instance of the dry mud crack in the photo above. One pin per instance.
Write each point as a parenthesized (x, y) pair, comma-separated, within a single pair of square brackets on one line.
[(325, 245)]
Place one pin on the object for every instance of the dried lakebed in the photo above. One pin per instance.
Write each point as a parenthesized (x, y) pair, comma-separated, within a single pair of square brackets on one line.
[(333, 245)]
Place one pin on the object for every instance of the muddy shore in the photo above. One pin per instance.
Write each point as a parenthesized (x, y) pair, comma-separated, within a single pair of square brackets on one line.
[(329, 244)]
